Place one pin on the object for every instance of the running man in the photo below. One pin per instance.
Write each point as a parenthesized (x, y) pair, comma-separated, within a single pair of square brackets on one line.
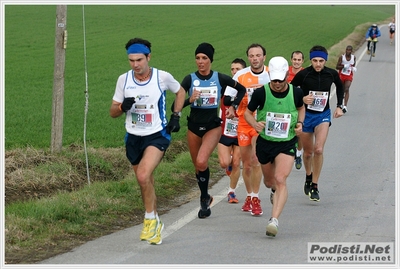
[(316, 81), (252, 77), (392, 30), (346, 66), (280, 116), (297, 60), (148, 134), (228, 147)]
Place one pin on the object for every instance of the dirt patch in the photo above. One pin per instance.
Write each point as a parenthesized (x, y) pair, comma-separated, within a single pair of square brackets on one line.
[(34, 174)]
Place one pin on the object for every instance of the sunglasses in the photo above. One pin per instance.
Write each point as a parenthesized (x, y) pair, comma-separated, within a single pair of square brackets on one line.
[(277, 80)]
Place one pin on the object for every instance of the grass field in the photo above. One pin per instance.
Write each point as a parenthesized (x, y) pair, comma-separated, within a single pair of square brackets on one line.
[(174, 31), (76, 212)]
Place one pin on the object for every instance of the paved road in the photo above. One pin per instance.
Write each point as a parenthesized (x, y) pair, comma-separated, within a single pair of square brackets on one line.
[(357, 189)]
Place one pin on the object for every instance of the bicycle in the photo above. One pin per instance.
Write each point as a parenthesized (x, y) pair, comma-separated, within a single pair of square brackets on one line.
[(371, 47)]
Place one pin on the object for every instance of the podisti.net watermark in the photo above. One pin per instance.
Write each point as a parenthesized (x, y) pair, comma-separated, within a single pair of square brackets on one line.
[(350, 252)]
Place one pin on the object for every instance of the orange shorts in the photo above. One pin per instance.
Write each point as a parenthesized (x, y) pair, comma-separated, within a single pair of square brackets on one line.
[(245, 133)]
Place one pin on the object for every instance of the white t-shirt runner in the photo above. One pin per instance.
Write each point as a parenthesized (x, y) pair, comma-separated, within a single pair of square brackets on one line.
[(148, 115)]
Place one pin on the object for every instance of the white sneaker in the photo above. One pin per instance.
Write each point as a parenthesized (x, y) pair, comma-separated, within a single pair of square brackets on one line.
[(272, 227)]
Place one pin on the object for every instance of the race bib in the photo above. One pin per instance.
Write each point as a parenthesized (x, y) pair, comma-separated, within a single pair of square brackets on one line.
[(231, 127), (208, 96), (346, 70), (319, 102), (277, 124), (142, 116)]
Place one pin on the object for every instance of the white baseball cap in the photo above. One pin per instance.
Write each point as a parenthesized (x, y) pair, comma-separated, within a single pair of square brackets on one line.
[(278, 67)]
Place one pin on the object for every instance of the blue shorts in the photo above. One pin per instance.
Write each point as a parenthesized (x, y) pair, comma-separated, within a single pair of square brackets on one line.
[(312, 120), (135, 145)]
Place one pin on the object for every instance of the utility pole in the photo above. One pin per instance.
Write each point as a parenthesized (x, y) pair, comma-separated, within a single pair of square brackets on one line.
[(58, 83)]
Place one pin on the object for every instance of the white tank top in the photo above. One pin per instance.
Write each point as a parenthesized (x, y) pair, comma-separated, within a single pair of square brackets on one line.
[(144, 117), (347, 69)]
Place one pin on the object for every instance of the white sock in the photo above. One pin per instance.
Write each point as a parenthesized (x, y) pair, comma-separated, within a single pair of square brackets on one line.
[(298, 153), (254, 195), (231, 190), (150, 215)]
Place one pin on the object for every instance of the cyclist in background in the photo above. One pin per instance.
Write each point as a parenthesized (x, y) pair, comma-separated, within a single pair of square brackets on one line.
[(372, 34)]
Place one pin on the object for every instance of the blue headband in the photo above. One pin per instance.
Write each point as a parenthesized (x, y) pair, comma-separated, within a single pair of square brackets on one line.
[(319, 53), (138, 48)]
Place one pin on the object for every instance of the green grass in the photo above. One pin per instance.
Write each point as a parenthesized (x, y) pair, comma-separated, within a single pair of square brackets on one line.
[(56, 223), (69, 213), (174, 32), (43, 226)]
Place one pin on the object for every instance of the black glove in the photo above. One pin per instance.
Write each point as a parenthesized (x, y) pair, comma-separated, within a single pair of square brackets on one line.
[(127, 104), (173, 124)]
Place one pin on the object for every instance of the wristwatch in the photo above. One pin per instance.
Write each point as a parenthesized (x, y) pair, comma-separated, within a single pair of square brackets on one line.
[(179, 114), (234, 106)]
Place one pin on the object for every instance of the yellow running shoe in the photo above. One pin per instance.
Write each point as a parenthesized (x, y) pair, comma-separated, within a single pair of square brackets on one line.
[(149, 229), (156, 240)]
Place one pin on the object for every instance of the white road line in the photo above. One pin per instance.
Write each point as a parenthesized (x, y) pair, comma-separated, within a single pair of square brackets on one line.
[(193, 214)]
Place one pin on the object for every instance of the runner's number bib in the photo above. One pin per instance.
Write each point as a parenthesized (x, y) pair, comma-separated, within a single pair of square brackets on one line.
[(320, 101), (231, 127), (208, 96), (277, 124), (142, 116)]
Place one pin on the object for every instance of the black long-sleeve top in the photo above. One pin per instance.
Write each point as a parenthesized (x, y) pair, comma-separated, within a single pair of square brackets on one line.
[(310, 80)]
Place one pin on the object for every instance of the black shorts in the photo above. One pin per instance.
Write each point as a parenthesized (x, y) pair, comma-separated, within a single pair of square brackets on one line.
[(135, 145), (228, 141), (266, 151), (391, 31), (200, 129)]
